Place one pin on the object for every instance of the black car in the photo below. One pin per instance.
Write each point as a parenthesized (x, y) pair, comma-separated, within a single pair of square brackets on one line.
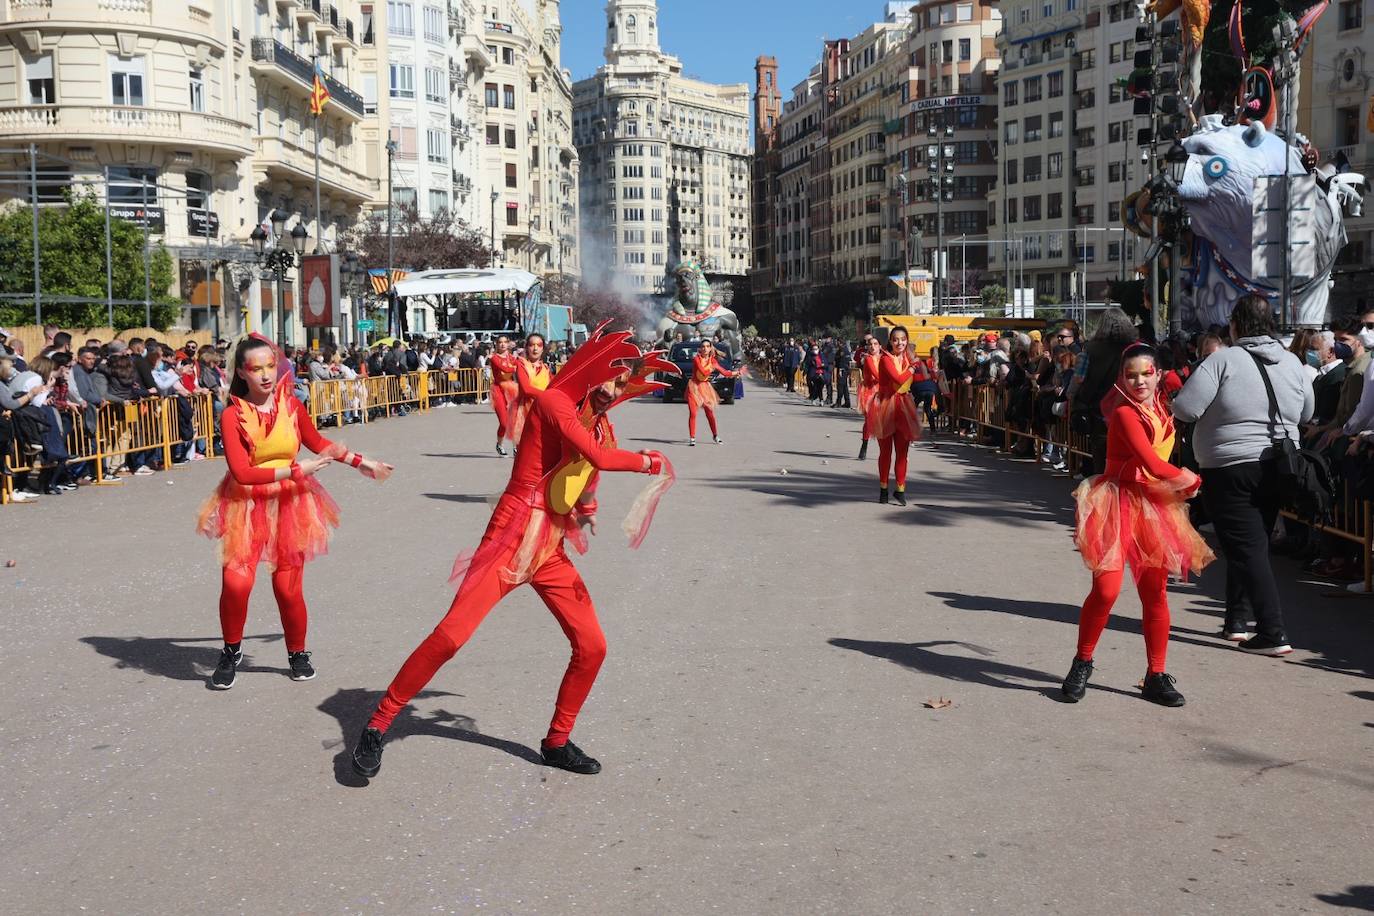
[(681, 355)]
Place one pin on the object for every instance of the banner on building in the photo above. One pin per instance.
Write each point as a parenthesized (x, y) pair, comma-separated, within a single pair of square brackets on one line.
[(139, 214), (320, 290), (949, 101)]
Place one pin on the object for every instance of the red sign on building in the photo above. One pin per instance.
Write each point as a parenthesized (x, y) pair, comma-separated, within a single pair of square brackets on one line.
[(320, 291)]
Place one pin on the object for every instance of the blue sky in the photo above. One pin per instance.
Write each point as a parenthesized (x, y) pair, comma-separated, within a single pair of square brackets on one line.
[(718, 40)]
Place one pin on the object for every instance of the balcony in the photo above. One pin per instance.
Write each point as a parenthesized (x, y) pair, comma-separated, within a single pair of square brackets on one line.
[(457, 76), (274, 58), (457, 22), (118, 123), (308, 10), (280, 159)]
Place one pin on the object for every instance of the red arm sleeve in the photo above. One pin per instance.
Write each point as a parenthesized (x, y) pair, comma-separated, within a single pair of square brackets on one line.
[(1128, 427), (236, 455), (715, 364), (559, 409), (310, 436), (888, 369), (522, 376)]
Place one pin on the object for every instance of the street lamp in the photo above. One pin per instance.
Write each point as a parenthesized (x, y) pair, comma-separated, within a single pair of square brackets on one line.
[(906, 245), (392, 326), (1176, 161), (278, 259), (940, 163), (495, 196)]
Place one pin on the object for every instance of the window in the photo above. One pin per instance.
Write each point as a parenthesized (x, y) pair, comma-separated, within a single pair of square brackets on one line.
[(964, 12), (1348, 125), (1030, 167), (512, 214), (402, 81), (1054, 207), (1033, 129), (127, 184), (1113, 173), (1352, 14), (1056, 84), (508, 93), (634, 257), (1033, 88), (1013, 210), (369, 93), (197, 191), (436, 84), (405, 143), (438, 203), (400, 17), (492, 100), (512, 175), (1113, 211), (436, 145), (1011, 171), (1056, 124), (510, 138), (1009, 93), (434, 25), (1054, 165), (1030, 207), (365, 21), (403, 198), (493, 135), (126, 81), (965, 49), (508, 56), (38, 72), (1013, 132)]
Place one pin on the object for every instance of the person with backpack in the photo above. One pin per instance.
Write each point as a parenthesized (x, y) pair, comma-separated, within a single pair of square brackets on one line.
[(1245, 400)]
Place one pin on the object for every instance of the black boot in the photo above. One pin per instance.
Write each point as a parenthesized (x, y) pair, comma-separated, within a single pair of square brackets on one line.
[(882, 495), (569, 757), (863, 450), (367, 753), (1159, 688), (899, 497), (1076, 683)]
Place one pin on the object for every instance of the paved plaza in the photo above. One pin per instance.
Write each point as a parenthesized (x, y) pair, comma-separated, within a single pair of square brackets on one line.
[(760, 714)]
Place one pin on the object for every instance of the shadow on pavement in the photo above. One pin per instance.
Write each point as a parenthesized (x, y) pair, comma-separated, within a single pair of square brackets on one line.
[(352, 707), (980, 671), (170, 657), (1356, 897), (457, 497), (462, 455)]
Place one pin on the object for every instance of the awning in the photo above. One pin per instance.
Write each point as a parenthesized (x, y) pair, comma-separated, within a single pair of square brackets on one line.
[(918, 287), (445, 281)]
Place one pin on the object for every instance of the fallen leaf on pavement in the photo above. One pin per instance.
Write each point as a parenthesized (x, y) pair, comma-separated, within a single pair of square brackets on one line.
[(938, 703)]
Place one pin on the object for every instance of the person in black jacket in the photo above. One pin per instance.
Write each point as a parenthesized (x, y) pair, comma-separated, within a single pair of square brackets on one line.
[(1102, 364), (843, 360)]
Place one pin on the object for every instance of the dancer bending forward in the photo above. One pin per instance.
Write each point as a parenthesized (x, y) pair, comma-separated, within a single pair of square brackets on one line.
[(268, 506), (1135, 513), (568, 440), (504, 389), (868, 385), (892, 417), (701, 393)]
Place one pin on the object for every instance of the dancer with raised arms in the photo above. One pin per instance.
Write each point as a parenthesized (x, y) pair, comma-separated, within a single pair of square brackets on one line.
[(701, 392)]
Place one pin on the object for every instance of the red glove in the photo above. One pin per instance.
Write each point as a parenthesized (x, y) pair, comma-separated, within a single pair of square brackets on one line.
[(656, 461)]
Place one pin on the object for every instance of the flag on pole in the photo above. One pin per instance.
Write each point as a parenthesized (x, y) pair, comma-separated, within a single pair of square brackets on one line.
[(380, 283), (319, 93)]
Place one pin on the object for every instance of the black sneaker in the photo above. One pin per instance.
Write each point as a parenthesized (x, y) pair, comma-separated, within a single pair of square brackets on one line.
[(367, 753), (863, 449), (1076, 682), (227, 669), (899, 497), (569, 757), (882, 494), (1159, 688), (1265, 645), (301, 669)]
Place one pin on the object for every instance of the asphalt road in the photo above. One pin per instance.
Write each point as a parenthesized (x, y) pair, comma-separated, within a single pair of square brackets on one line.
[(760, 715)]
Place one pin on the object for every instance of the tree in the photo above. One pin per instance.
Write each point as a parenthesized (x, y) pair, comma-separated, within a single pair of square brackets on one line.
[(994, 297), (419, 244), (963, 284), (71, 257)]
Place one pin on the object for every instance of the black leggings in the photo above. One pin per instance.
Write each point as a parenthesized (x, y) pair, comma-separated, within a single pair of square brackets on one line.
[(1242, 502)]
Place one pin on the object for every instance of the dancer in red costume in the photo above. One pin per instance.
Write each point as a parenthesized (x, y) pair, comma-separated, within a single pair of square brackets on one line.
[(892, 416), (1135, 513), (701, 394), (868, 384), (532, 376), (550, 498), (504, 389), (268, 506)]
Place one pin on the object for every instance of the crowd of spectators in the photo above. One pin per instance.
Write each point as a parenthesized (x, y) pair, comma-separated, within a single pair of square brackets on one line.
[(52, 399)]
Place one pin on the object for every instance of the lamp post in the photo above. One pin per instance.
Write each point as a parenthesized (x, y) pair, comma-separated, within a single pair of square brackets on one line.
[(495, 196), (391, 325), (1176, 164), (940, 163), (354, 276), (278, 259), (906, 244)]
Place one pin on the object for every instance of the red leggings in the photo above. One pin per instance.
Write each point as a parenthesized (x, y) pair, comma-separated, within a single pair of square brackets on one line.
[(692, 406), (886, 446), (498, 404), (1154, 598), (237, 585), (558, 583)]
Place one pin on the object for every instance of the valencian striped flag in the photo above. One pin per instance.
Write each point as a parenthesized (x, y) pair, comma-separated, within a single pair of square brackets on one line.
[(319, 94), (380, 283)]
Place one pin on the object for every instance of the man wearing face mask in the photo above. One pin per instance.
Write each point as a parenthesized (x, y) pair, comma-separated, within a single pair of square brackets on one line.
[(1331, 370), (1347, 340), (1363, 417)]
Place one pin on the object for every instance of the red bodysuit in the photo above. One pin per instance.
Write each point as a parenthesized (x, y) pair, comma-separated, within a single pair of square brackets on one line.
[(892, 418), (530, 380), (524, 541), (1135, 513), (504, 391), (702, 394)]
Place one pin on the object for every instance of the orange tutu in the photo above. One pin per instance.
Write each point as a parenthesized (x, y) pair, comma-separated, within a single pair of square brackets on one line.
[(866, 395), (510, 390), (1144, 525), (703, 394), (285, 523), (894, 416)]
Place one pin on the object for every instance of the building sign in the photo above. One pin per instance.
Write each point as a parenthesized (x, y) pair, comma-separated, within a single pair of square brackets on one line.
[(139, 214), (202, 223), (949, 101), (320, 290)]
